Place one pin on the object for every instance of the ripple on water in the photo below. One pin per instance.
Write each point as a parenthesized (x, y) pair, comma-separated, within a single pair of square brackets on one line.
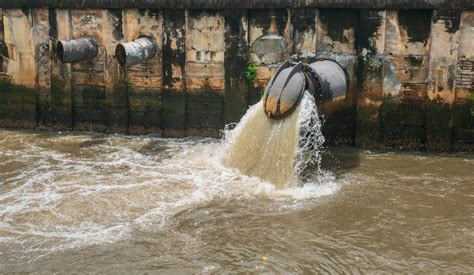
[(95, 202), (73, 190)]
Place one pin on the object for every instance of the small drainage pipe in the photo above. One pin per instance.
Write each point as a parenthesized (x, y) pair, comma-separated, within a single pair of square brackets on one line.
[(138, 51), (70, 51)]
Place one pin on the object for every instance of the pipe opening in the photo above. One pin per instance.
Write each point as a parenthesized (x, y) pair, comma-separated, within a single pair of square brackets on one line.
[(121, 54), (60, 51)]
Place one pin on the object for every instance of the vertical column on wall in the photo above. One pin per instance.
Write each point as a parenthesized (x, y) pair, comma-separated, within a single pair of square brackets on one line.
[(443, 57), (370, 47), (236, 59), (267, 56), (303, 22), (2, 36), (115, 86), (336, 40), (204, 72), (3, 50), (145, 79), (131, 30), (463, 115), (41, 31), (88, 76), (174, 62), (407, 48), (17, 81), (61, 91)]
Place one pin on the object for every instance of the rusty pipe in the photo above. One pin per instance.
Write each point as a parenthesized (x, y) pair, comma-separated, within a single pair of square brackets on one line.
[(330, 79), (324, 79), (138, 51), (70, 51)]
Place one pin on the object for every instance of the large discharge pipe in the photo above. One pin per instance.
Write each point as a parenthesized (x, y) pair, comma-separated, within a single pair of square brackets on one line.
[(324, 79), (70, 51), (136, 52)]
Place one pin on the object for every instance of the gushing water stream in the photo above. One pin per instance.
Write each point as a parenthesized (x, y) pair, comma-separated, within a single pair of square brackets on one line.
[(272, 149)]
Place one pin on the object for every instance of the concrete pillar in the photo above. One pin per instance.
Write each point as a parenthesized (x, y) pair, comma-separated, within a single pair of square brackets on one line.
[(236, 60), (2, 36), (407, 49), (441, 94), (18, 81), (88, 77), (174, 63), (61, 90), (43, 64), (145, 79), (3, 47), (463, 120), (371, 46), (205, 47)]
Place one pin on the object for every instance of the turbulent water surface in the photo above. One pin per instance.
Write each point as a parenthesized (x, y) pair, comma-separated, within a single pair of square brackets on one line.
[(107, 203)]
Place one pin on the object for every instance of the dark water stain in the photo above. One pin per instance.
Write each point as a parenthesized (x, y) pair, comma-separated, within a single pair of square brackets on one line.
[(338, 20), (417, 23), (450, 18), (53, 24), (262, 19), (118, 28)]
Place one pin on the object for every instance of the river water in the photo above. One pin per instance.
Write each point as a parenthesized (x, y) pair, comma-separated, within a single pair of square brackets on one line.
[(89, 202)]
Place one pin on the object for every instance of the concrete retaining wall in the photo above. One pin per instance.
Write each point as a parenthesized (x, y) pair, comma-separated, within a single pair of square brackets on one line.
[(411, 71)]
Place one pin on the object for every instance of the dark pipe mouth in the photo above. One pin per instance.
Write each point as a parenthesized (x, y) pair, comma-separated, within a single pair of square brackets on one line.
[(121, 54), (60, 51)]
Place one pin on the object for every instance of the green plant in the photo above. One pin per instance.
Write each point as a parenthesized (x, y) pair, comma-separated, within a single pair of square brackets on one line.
[(129, 86), (251, 73), (470, 97)]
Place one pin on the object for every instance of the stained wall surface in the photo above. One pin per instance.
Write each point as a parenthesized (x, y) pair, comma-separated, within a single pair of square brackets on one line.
[(410, 71)]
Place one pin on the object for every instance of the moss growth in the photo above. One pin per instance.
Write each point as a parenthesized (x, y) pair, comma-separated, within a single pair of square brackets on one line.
[(251, 74), (470, 97)]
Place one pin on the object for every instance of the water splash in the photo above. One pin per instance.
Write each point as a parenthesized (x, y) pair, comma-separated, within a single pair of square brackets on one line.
[(70, 190), (278, 151)]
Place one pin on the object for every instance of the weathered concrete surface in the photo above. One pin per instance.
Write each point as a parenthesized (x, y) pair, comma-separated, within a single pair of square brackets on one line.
[(205, 52), (463, 117), (88, 77), (371, 50), (410, 72), (144, 80), (60, 115), (17, 82), (248, 4), (236, 58), (42, 40), (174, 67), (407, 48), (441, 89), (260, 26)]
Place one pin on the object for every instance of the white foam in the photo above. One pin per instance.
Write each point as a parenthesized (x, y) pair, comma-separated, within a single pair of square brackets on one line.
[(69, 190)]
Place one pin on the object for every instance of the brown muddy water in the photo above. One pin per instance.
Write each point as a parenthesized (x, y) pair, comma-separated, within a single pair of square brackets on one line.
[(110, 203)]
